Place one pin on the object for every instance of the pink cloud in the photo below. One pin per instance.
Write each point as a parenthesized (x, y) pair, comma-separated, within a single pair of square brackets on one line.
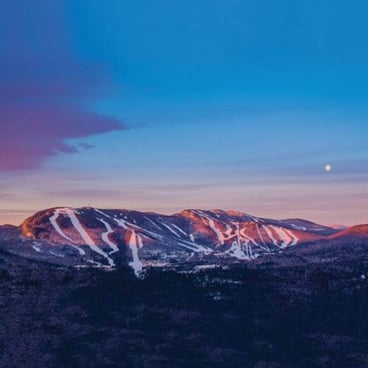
[(31, 134), (43, 85)]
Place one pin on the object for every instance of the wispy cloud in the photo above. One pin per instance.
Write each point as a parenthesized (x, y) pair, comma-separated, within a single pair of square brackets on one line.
[(42, 86)]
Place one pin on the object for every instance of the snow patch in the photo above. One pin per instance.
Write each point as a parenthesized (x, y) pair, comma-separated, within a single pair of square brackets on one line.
[(37, 248)]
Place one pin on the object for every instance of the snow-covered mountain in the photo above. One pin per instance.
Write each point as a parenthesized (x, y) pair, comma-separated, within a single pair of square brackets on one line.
[(91, 237)]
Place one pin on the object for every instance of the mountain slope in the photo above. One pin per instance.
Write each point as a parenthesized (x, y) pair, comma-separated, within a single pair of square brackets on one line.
[(357, 230), (85, 237)]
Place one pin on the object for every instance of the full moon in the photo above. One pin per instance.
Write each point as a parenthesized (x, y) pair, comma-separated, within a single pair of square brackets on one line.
[(328, 168)]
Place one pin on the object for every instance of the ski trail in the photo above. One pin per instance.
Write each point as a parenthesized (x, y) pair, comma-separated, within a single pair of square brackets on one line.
[(105, 236), (56, 226), (171, 229), (211, 223), (269, 234), (153, 223), (122, 223), (236, 249), (195, 247), (247, 237), (255, 219), (134, 243), (296, 227), (85, 236), (294, 237), (216, 230), (179, 229), (285, 238), (261, 237), (81, 251), (53, 221), (102, 213)]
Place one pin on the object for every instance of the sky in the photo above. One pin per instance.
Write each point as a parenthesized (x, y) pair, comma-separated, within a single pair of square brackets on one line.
[(165, 105)]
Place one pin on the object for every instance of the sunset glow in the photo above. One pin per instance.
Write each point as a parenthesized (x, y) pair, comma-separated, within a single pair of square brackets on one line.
[(184, 105)]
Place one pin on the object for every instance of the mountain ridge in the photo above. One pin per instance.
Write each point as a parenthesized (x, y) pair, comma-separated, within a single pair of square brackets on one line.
[(114, 238)]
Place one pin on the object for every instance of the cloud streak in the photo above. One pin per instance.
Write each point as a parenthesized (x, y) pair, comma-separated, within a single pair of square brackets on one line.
[(43, 86)]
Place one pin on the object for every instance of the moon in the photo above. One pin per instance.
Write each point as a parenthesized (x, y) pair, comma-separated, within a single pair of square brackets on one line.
[(328, 168)]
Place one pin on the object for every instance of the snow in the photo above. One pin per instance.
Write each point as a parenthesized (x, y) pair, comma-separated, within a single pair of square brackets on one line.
[(255, 219), (95, 263), (247, 237), (53, 221), (194, 247), (102, 213), (168, 227), (206, 267), (261, 237), (135, 241), (211, 223), (283, 237), (105, 236), (241, 248), (179, 229), (56, 226), (236, 251), (287, 239), (217, 231), (269, 234), (81, 251), (85, 236), (152, 234), (295, 239), (122, 223), (296, 227), (153, 223), (249, 251), (37, 248), (244, 240), (56, 254)]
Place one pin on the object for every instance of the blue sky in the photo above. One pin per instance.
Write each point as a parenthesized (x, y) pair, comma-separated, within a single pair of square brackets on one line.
[(169, 105)]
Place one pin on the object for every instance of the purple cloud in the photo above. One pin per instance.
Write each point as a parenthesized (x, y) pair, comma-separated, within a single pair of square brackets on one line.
[(43, 85), (31, 134)]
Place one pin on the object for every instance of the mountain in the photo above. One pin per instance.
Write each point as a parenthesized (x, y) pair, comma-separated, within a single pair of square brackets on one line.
[(91, 237), (270, 293), (357, 230)]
